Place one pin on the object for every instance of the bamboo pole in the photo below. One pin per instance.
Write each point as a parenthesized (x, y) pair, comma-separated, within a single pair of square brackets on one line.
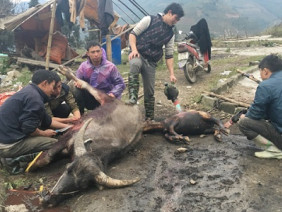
[(109, 47), (51, 30), (250, 76), (227, 99)]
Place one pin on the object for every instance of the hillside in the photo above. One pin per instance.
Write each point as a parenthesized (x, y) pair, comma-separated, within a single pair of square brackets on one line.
[(225, 17)]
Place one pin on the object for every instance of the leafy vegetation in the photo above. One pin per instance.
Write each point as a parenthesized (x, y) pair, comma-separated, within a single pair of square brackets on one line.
[(275, 31), (25, 76), (4, 65), (33, 3)]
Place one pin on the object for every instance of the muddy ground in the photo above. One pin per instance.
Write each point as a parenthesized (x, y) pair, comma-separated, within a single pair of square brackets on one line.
[(210, 176)]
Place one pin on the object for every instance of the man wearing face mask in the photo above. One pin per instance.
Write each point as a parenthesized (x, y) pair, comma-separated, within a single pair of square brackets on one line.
[(146, 42)]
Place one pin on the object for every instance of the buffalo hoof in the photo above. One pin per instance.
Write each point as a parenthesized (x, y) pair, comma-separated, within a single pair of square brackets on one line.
[(218, 137), (178, 138)]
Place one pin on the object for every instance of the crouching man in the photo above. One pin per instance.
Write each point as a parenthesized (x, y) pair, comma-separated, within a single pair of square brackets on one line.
[(263, 121), (61, 104), (22, 118)]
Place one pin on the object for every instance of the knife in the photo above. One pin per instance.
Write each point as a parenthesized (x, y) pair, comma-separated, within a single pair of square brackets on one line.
[(62, 130)]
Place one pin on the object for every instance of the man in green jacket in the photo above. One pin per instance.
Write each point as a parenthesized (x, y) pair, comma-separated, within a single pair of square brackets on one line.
[(61, 104)]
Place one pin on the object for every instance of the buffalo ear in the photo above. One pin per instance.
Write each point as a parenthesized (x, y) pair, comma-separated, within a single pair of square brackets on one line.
[(87, 144)]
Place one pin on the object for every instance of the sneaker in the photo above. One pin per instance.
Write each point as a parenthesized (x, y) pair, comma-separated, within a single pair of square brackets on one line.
[(270, 152)]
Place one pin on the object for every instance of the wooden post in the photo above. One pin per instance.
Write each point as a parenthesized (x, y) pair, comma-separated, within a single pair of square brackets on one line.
[(51, 30), (109, 47)]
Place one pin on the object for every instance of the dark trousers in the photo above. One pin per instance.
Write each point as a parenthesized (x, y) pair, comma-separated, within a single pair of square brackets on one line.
[(62, 111), (252, 128), (84, 100)]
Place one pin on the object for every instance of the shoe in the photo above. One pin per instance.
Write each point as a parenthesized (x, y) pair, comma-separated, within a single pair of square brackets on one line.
[(270, 152), (12, 166)]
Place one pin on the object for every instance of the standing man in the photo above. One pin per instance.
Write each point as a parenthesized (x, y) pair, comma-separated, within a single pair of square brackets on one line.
[(146, 42), (24, 123), (100, 74), (263, 121)]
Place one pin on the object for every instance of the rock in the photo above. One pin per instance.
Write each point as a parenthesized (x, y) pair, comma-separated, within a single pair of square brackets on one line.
[(16, 208), (182, 149), (192, 182)]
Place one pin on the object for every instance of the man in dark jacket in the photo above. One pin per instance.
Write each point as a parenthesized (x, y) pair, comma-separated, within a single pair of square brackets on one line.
[(263, 121), (24, 122), (146, 41)]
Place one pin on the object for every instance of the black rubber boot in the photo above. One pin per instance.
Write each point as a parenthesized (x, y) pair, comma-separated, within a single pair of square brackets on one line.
[(133, 88), (149, 108)]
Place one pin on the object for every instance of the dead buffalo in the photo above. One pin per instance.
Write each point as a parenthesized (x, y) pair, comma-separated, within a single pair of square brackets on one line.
[(107, 133), (192, 122)]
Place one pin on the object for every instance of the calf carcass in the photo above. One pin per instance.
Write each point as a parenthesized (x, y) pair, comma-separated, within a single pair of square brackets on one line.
[(107, 133), (179, 126)]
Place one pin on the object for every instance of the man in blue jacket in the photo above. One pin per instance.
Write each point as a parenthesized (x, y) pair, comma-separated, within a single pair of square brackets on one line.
[(263, 121), (24, 123)]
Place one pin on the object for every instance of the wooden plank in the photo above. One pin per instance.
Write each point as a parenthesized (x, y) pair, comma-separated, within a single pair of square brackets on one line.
[(36, 62)]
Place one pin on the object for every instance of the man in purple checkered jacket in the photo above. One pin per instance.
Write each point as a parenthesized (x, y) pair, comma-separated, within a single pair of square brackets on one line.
[(100, 74)]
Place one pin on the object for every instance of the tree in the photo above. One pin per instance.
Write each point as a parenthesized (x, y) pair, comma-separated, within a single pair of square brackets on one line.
[(6, 37), (7, 8), (33, 3), (71, 31)]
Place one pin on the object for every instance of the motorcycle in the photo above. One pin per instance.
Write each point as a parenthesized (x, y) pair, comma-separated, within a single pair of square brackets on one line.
[(190, 58)]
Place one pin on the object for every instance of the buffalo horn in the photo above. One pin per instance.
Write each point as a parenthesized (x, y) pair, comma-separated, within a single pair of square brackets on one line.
[(79, 148), (107, 181)]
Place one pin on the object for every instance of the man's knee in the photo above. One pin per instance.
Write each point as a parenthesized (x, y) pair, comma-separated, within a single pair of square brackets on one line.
[(135, 65), (244, 123)]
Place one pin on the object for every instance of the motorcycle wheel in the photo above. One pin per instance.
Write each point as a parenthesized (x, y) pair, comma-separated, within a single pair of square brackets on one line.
[(209, 69), (189, 72)]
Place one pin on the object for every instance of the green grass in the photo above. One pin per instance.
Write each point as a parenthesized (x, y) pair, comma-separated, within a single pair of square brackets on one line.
[(25, 77), (244, 64)]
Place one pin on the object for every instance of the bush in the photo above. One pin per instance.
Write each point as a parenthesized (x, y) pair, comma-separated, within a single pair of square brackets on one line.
[(6, 41), (4, 65), (275, 31)]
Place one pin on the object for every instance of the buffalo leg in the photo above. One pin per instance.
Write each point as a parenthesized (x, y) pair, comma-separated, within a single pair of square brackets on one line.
[(46, 157)]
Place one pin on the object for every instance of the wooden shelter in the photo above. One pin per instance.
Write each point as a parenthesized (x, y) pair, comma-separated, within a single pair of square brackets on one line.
[(38, 34)]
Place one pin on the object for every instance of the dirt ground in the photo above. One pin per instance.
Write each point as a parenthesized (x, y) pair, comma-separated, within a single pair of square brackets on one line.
[(210, 176)]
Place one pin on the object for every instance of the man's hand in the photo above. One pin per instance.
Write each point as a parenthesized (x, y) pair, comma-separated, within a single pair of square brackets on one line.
[(48, 133), (111, 95), (44, 133), (80, 84), (173, 78), (133, 54)]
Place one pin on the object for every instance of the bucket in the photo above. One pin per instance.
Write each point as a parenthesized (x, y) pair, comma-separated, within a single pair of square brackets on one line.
[(116, 50)]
